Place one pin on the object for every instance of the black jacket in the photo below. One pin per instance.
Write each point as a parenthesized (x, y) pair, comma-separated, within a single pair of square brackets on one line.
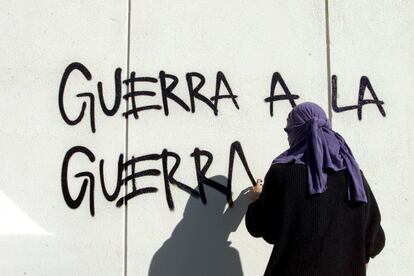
[(318, 235)]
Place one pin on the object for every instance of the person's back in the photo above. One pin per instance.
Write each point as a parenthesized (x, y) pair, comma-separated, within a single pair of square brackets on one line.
[(316, 205), (323, 234)]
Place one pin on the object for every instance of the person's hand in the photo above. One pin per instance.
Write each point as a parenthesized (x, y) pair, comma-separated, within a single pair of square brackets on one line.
[(255, 191)]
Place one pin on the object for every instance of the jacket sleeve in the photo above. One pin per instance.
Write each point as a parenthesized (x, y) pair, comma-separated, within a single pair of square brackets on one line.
[(261, 216), (374, 234)]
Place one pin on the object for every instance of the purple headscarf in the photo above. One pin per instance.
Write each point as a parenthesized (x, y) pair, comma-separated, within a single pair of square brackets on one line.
[(313, 142)]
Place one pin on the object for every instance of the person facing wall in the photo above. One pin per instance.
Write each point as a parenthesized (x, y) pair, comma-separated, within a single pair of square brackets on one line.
[(315, 204)]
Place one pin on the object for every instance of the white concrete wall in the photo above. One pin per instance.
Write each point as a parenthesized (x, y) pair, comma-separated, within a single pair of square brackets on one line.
[(375, 39), (248, 42)]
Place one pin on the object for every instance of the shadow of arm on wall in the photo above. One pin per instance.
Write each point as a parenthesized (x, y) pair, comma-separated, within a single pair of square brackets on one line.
[(199, 244)]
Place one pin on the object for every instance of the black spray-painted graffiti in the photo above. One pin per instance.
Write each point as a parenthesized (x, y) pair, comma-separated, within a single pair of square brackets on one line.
[(195, 81), (132, 175), (132, 94), (168, 82), (363, 85)]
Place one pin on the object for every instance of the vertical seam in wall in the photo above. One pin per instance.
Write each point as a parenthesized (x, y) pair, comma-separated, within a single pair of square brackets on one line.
[(328, 60), (125, 241)]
